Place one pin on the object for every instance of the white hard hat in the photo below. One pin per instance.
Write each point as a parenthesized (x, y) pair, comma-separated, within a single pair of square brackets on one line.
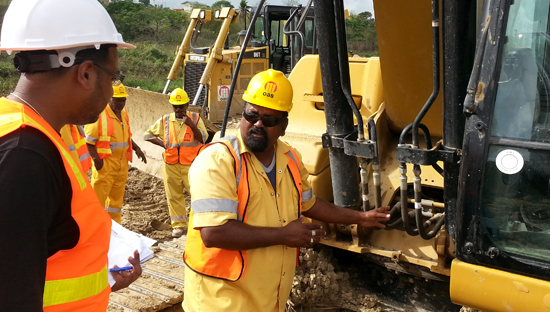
[(61, 25)]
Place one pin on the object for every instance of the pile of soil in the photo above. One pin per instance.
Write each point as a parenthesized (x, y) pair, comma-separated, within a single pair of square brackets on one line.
[(145, 209), (319, 284)]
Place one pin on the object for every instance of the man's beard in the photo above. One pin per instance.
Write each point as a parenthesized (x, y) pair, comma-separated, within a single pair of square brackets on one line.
[(255, 144), (91, 114)]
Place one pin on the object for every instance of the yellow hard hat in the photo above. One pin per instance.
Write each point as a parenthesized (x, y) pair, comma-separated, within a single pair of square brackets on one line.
[(178, 97), (270, 89), (119, 91)]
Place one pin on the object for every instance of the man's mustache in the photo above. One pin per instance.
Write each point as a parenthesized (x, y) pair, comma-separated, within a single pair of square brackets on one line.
[(257, 131)]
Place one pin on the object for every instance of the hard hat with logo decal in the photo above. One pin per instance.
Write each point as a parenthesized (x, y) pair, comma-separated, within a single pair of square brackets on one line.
[(270, 89), (119, 91), (65, 26), (178, 97)]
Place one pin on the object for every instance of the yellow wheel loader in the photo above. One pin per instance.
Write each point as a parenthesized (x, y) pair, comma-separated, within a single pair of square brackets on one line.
[(208, 71)]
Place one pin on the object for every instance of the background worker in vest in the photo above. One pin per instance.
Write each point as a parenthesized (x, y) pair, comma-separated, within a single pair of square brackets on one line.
[(54, 234), (181, 134), (254, 220), (73, 136), (110, 143)]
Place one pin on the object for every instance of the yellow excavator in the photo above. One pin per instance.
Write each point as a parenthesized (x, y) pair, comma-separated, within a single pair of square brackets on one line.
[(449, 127)]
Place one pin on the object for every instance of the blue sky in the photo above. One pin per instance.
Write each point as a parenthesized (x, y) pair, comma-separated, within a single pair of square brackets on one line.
[(354, 6)]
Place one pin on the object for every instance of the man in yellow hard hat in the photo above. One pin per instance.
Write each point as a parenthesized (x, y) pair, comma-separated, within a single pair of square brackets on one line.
[(54, 234), (181, 134), (110, 143), (248, 195)]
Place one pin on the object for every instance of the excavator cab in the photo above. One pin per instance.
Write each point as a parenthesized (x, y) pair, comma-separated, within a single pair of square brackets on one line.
[(269, 31), (504, 208)]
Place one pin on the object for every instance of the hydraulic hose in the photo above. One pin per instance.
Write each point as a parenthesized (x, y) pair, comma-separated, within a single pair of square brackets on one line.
[(418, 208), (435, 55), (343, 61), (404, 206), (238, 66), (427, 138), (364, 172), (375, 165)]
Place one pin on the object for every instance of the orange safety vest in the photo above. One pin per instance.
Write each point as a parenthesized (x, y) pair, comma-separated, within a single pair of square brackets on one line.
[(106, 129), (184, 152), (230, 264), (76, 279), (81, 148)]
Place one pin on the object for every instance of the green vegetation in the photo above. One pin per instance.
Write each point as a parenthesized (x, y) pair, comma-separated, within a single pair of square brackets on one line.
[(147, 66), (156, 31), (361, 34)]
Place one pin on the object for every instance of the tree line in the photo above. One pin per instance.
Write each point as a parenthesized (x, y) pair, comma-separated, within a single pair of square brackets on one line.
[(138, 22)]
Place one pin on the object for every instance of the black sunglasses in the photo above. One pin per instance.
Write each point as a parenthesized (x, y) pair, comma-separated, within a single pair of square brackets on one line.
[(116, 79), (267, 121)]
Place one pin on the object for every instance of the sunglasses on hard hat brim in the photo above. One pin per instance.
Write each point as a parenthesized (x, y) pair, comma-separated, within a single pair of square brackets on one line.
[(267, 121)]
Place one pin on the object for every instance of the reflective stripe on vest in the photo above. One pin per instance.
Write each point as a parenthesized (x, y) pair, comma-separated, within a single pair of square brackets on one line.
[(184, 152), (68, 290), (106, 128), (76, 279), (221, 263), (81, 147)]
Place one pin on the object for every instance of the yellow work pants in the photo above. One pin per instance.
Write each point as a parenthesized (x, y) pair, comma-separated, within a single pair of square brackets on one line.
[(175, 179), (109, 184)]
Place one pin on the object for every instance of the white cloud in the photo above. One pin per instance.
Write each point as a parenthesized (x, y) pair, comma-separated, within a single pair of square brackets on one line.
[(354, 6)]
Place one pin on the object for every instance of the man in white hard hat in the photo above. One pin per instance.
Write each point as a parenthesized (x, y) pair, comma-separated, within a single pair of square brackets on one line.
[(54, 234)]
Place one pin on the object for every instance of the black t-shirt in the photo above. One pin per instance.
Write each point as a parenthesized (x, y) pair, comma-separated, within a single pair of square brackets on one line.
[(35, 216)]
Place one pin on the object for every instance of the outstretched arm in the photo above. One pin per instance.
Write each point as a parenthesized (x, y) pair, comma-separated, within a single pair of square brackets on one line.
[(327, 212)]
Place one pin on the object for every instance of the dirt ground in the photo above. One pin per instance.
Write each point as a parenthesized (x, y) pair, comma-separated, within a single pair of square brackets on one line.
[(145, 209), (326, 280)]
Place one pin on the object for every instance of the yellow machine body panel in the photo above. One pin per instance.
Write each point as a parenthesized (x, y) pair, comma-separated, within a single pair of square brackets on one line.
[(498, 291), (308, 115), (406, 72)]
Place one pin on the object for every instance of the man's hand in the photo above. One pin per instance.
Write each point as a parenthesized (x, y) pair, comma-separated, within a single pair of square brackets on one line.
[(98, 163), (188, 121), (140, 153), (123, 279), (374, 217), (299, 234)]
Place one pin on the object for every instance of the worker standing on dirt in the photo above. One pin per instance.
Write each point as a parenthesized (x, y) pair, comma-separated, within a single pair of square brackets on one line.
[(110, 143), (54, 235), (248, 195), (181, 134)]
